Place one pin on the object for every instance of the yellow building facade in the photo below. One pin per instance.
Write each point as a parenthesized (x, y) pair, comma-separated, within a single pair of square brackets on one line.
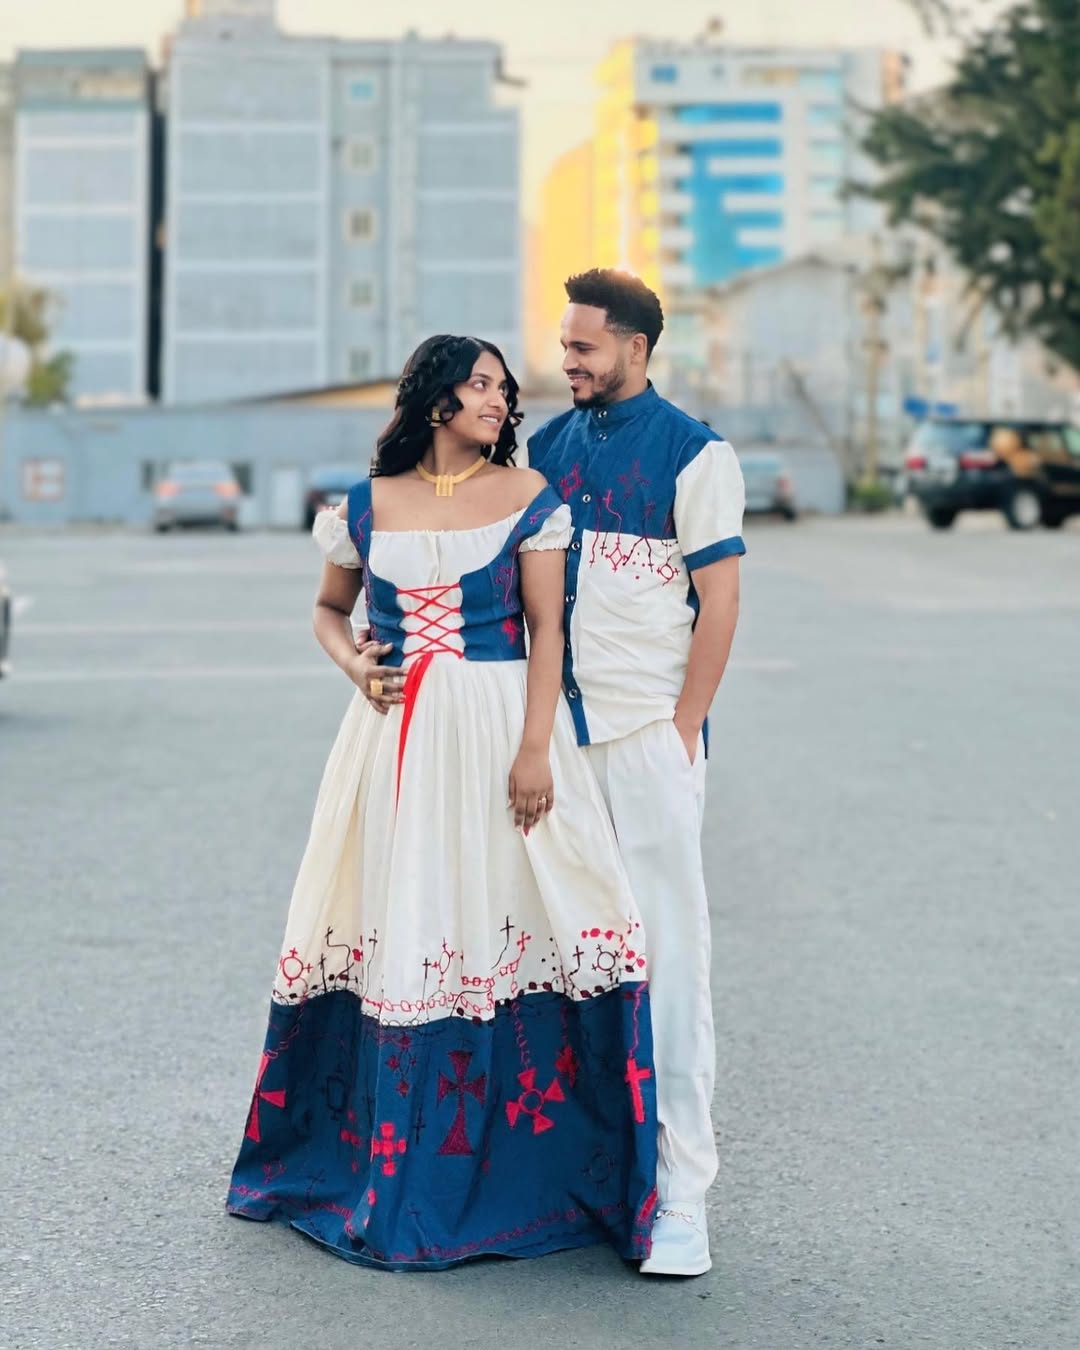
[(560, 245), (626, 230)]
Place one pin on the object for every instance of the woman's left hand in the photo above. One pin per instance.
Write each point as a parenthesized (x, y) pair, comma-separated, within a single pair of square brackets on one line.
[(532, 794)]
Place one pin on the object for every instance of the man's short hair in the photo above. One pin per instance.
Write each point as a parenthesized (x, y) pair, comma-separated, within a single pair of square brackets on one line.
[(629, 304)]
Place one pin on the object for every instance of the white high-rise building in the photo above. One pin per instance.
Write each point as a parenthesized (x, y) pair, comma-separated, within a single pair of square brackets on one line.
[(82, 208), (711, 159), (329, 204)]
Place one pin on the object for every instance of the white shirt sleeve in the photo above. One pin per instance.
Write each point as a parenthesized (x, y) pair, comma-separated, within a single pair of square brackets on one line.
[(331, 533), (709, 502)]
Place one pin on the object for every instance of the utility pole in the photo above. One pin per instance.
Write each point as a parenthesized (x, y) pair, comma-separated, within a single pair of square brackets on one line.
[(9, 300), (876, 284)]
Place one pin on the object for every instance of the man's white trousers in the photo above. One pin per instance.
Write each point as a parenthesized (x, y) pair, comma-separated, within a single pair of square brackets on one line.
[(657, 799)]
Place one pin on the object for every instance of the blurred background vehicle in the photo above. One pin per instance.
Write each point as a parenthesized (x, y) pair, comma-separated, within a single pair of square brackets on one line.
[(5, 622), (769, 485), (197, 492), (1027, 470), (327, 486)]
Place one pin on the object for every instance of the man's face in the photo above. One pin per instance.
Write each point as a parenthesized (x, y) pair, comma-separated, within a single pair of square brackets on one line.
[(596, 360)]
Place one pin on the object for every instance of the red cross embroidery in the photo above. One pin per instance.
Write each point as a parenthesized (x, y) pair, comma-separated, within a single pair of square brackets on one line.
[(635, 1076), (386, 1147), (275, 1098), (532, 1101), (567, 1064), (456, 1143)]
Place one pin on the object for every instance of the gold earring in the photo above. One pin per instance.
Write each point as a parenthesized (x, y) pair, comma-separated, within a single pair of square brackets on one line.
[(435, 420)]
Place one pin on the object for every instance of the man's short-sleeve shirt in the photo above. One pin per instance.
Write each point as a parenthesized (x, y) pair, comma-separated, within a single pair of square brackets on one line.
[(655, 496)]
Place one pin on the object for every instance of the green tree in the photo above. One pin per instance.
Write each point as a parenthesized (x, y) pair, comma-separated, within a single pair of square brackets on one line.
[(990, 165), (49, 380)]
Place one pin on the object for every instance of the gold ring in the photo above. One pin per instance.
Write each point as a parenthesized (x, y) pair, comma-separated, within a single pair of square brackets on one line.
[(541, 801), (376, 688)]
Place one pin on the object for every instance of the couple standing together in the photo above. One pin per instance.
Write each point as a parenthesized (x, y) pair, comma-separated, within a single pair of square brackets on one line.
[(491, 1026)]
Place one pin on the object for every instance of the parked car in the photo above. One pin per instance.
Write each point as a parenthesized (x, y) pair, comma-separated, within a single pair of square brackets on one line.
[(769, 488), (197, 492), (1027, 470), (6, 609), (327, 486)]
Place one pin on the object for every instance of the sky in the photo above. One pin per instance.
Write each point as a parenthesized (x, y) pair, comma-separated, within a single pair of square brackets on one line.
[(552, 44)]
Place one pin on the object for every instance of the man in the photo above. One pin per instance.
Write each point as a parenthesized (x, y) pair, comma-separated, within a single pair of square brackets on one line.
[(652, 595)]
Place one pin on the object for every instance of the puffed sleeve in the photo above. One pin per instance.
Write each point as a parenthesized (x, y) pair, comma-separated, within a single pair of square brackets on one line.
[(331, 533), (556, 532)]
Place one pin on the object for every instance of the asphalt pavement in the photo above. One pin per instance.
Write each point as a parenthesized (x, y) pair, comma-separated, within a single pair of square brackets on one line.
[(891, 844)]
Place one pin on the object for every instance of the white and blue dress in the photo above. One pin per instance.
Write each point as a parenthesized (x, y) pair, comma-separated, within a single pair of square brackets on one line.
[(458, 1061)]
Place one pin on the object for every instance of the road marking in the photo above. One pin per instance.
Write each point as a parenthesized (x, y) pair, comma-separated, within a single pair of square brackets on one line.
[(165, 626), (107, 675)]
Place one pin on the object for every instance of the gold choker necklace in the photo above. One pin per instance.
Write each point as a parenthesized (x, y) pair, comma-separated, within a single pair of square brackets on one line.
[(446, 482)]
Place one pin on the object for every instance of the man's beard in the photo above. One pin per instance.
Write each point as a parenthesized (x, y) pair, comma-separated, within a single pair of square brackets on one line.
[(604, 387)]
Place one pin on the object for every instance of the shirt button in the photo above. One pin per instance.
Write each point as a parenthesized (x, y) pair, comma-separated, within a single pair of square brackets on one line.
[(571, 693), (586, 497), (569, 599), (602, 412), (576, 546), (602, 436)]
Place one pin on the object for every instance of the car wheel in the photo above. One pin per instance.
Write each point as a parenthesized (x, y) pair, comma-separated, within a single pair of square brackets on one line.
[(941, 517), (790, 514), (1024, 508), (160, 527), (1053, 517)]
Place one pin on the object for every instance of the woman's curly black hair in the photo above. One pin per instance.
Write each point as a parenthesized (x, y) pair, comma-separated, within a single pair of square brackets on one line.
[(426, 388)]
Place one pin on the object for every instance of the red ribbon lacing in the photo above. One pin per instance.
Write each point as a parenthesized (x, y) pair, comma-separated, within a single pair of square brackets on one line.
[(432, 613)]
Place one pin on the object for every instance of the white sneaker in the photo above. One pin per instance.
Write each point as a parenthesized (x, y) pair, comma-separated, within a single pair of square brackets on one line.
[(680, 1241)]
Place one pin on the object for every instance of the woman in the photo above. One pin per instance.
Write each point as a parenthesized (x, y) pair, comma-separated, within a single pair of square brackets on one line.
[(458, 1061)]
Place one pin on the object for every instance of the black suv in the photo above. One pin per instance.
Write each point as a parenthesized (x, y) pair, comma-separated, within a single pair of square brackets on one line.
[(960, 465)]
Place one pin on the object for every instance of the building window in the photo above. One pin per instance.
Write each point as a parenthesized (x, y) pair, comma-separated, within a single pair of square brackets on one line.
[(360, 225), (363, 89), (359, 363), (701, 114), (361, 292), (832, 80), (824, 114), (43, 480), (360, 155), (665, 74), (765, 148), (828, 152), (770, 75)]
